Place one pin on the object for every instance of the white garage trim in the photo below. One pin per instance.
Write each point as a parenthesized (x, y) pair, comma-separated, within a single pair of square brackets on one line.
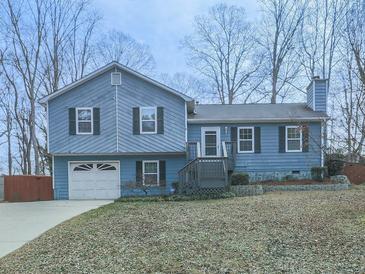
[(95, 161)]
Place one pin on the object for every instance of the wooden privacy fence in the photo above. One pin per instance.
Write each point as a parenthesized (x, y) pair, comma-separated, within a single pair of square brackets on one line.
[(355, 173), (27, 188)]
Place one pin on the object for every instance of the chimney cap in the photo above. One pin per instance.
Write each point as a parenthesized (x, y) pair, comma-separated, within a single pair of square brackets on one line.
[(316, 77)]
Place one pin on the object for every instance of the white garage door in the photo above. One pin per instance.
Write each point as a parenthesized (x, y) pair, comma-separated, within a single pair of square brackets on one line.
[(94, 180)]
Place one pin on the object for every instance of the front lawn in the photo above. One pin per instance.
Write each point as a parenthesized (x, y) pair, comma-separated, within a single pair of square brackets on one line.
[(306, 232)]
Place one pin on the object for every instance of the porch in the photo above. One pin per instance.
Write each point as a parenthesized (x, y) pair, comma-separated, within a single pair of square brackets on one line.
[(205, 174)]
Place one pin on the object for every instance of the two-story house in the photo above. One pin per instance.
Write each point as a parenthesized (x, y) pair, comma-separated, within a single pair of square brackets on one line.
[(118, 133)]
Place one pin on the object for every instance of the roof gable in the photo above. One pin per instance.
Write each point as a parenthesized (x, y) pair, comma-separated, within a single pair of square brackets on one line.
[(105, 69)]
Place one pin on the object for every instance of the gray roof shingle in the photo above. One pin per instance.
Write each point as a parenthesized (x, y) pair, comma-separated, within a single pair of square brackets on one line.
[(254, 113)]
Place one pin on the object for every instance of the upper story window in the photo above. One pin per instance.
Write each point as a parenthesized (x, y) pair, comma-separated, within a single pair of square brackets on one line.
[(293, 140), (148, 122), (245, 139), (84, 120)]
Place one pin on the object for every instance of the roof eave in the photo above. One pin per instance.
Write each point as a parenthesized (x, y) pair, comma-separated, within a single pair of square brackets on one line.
[(262, 120)]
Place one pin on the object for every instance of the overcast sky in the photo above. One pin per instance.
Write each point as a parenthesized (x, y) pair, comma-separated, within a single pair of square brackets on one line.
[(161, 24)]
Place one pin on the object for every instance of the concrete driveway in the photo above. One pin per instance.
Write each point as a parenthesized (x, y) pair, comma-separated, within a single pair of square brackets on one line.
[(22, 222)]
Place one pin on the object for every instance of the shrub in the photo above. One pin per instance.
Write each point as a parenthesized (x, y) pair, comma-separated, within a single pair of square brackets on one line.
[(335, 163), (288, 178), (318, 173), (240, 179), (175, 186)]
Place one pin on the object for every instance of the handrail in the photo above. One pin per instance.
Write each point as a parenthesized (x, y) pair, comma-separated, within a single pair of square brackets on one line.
[(188, 164)]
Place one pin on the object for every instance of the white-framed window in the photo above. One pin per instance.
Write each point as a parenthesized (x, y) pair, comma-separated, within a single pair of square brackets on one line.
[(84, 121), (246, 139), (151, 174), (148, 120), (293, 139)]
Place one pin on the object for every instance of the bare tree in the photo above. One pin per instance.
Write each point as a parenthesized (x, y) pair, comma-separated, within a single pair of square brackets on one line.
[(67, 54), (7, 122), (353, 102), (25, 24), (189, 85), (69, 27), (355, 27), (320, 36), (118, 46), (352, 110), (45, 44), (221, 50), (279, 31)]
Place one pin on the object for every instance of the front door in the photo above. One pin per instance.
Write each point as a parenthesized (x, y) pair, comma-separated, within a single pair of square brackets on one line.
[(210, 141)]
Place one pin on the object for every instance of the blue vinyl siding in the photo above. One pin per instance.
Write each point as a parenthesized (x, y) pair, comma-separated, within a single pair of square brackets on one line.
[(321, 95), (134, 92), (95, 93), (269, 160), (317, 91), (127, 173), (138, 93)]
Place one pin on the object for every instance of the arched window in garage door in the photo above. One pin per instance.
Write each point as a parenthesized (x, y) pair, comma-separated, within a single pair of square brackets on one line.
[(105, 167), (84, 167)]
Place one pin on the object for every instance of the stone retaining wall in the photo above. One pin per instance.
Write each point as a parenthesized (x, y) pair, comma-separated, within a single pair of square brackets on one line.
[(247, 190), (268, 188), (250, 190)]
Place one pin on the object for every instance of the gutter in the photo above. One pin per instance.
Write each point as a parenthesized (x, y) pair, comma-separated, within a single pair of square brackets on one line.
[(264, 120)]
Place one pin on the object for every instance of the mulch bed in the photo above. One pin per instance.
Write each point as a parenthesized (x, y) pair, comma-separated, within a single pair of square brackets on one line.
[(296, 182)]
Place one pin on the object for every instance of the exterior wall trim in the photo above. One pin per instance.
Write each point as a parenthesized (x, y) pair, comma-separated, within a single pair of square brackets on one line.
[(177, 153), (218, 130), (238, 140), (235, 121), (47, 129), (77, 120), (300, 140), (158, 171)]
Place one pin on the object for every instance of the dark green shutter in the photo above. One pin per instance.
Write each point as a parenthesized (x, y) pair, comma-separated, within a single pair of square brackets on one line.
[(160, 120), (139, 175), (162, 166), (234, 138), (234, 134), (305, 138), (257, 140), (96, 121), (282, 139), (72, 121), (136, 121)]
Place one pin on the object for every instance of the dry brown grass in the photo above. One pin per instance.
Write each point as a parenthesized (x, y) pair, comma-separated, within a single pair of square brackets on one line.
[(303, 232)]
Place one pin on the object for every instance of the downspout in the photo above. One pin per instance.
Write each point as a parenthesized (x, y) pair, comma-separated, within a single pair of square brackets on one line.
[(186, 122), (116, 114)]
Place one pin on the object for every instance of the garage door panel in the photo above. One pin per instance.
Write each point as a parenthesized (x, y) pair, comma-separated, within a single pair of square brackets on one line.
[(96, 180)]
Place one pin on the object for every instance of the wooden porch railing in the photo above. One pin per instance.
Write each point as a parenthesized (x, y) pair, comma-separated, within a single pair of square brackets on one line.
[(206, 174), (231, 150)]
